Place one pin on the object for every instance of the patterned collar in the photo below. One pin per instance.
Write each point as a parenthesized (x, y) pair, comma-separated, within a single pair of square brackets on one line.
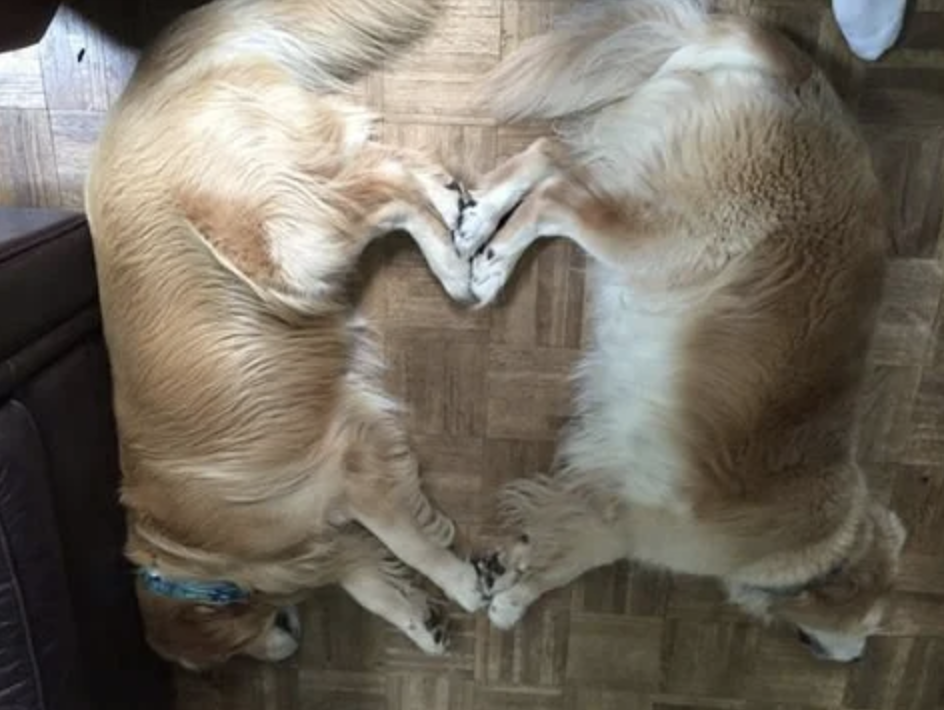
[(216, 593)]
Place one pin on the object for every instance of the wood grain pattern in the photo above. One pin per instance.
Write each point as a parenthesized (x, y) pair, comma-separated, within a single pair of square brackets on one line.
[(487, 392)]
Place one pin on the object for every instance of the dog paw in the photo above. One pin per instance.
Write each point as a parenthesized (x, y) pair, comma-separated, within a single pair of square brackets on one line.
[(437, 626), (446, 195), (457, 282), (429, 630), (502, 569), (475, 227), (466, 590), (490, 272), (506, 609), (288, 619), (279, 645)]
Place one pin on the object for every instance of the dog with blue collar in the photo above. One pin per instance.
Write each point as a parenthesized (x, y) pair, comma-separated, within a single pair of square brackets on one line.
[(213, 593), (208, 604)]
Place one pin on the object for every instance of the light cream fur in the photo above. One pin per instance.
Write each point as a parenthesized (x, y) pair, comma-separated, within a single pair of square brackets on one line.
[(737, 230), (232, 192)]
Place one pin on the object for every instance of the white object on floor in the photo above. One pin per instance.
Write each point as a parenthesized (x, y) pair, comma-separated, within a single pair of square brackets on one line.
[(870, 27)]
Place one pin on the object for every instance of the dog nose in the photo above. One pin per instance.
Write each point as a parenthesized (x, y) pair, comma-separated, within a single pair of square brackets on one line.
[(804, 637)]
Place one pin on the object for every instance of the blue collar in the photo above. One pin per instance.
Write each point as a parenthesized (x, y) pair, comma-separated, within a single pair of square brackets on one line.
[(216, 593)]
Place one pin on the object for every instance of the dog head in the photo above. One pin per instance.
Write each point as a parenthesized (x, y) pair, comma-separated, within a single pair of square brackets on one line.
[(198, 635), (836, 613)]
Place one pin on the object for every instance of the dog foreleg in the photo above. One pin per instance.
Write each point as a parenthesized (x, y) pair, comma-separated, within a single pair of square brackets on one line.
[(422, 200), (502, 189), (384, 495), (395, 525), (432, 236), (383, 589), (558, 207)]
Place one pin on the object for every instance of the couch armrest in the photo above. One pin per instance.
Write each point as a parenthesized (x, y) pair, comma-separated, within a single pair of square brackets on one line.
[(71, 636)]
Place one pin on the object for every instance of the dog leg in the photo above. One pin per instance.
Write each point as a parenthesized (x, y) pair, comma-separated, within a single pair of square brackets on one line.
[(563, 533), (502, 189), (399, 530), (432, 236), (556, 208), (384, 496), (416, 196), (383, 590)]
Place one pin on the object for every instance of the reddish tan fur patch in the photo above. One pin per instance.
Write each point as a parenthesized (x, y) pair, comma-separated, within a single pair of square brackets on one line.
[(235, 230)]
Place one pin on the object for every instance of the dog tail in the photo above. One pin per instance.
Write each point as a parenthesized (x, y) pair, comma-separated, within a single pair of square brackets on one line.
[(593, 56), (325, 44)]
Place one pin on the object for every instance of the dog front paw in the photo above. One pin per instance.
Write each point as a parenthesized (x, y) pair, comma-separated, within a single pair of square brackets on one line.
[(288, 619), (466, 590), (490, 272), (478, 221), (506, 608), (432, 635), (458, 284)]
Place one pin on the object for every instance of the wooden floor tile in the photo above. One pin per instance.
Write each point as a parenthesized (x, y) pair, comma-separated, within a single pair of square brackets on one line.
[(21, 80)]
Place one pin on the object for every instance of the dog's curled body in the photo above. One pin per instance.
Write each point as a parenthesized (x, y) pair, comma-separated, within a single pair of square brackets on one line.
[(737, 233), (233, 189)]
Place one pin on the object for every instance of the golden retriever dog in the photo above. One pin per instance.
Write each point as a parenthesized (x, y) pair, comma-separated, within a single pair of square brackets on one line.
[(233, 189), (736, 230)]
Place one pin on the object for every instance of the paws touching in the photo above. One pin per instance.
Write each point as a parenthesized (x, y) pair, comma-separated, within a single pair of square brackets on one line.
[(489, 568), (477, 222), (474, 229), (502, 575)]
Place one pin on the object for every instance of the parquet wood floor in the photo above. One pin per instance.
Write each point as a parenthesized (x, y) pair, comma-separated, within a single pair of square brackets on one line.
[(487, 393)]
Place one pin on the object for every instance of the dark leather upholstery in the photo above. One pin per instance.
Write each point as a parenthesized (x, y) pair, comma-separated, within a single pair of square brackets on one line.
[(24, 22), (70, 636)]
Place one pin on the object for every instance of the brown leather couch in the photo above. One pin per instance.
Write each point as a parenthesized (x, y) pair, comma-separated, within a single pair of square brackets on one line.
[(24, 22), (134, 23), (70, 634)]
